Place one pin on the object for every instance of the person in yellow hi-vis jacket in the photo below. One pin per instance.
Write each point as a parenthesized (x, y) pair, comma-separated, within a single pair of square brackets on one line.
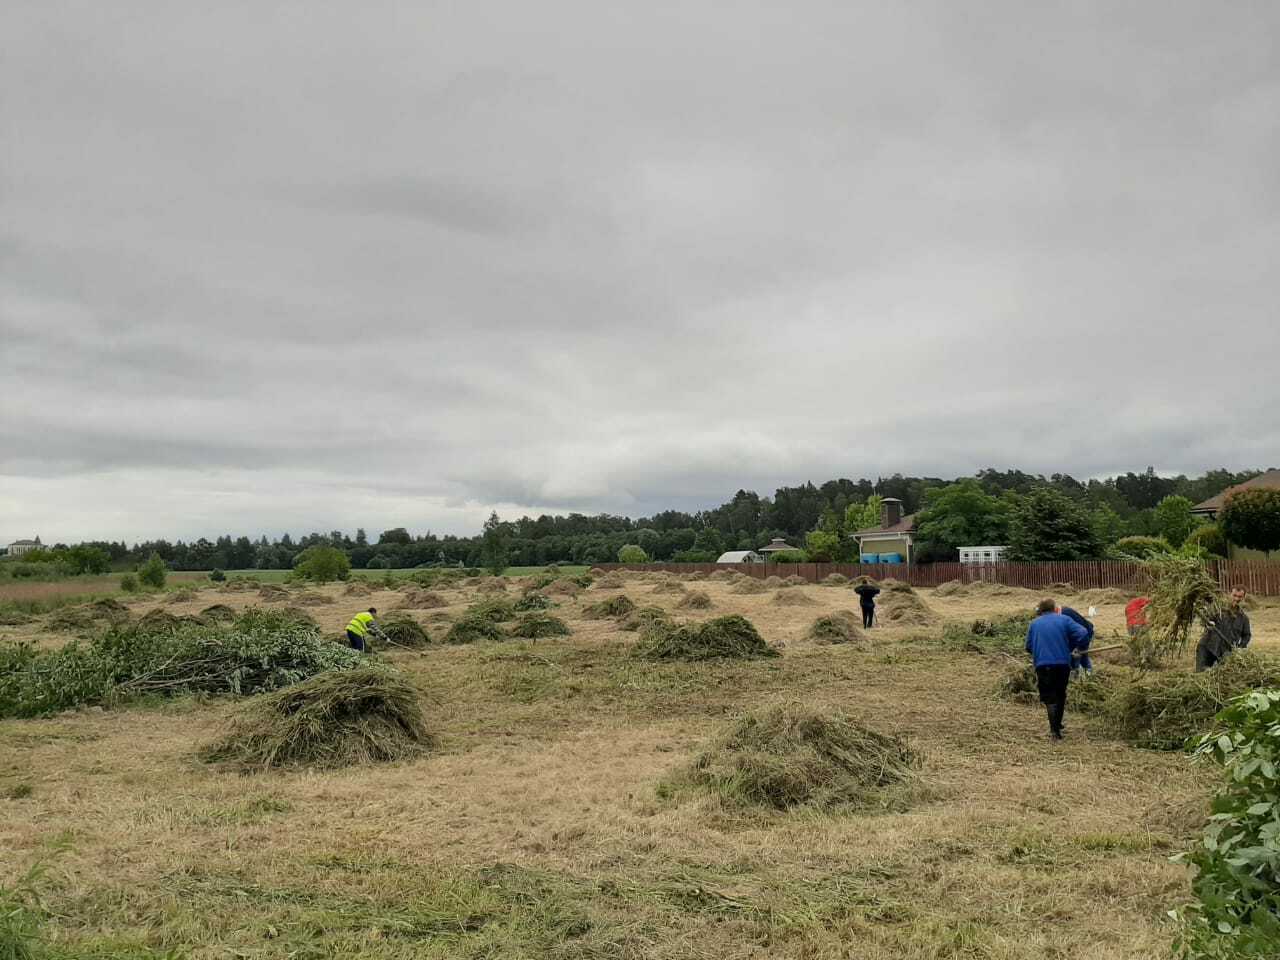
[(361, 625)]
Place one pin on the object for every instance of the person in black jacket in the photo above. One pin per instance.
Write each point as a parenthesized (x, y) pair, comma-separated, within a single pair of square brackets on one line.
[(866, 591), (1227, 631)]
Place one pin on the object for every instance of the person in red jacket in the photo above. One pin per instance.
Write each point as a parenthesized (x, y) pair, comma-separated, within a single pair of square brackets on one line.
[(1135, 615)]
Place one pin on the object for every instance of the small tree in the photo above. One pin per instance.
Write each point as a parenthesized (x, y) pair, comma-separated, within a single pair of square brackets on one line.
[(862, 516), (494, 550), (821, 546), (1174, 519), (1143, 548), (1209, 538), (216, 575), (1251, 519), (1048, 526), (153, 573), (129, 583), (632, 553), (322, 564)]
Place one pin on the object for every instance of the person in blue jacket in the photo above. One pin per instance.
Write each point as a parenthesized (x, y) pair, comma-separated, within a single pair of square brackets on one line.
[(1081, 665), (1050, 640)]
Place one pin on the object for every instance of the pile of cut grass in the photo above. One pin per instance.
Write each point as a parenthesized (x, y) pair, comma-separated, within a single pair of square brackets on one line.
[(405, 631), (899, 604), (731, 637), (645, 617), (749, 585), (610, 581), (473, 630), (1091, 696), (494, 610), (70, 620), (562, 588), (951, 588), (725, 575), (795, 580), (416, 598), (792, 756), (835, 580), (839, 627), (613, 608), (492, 585), (669, 586), (157, 620), (532, 626), (1164, 710), (532, 601), (182, 595), (359, 588), (998, 635), (335, 719), (217, 613), (792, 598), (312, 598), (1100, 596), (773, 582), (695, 600)]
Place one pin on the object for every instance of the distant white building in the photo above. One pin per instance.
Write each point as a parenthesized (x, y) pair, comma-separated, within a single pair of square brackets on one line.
[(19, 547), (981, 555), (740, 556)]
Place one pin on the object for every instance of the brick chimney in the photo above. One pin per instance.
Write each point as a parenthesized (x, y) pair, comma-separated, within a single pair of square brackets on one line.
[(890, 512)]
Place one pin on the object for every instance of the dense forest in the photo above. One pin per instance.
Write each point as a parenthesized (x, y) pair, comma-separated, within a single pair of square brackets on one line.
[(990, 507)]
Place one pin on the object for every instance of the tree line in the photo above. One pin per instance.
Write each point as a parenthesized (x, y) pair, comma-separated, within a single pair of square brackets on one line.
[(1055, 517)]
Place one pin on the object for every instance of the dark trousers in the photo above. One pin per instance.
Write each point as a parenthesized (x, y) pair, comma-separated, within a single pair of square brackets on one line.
[(356, 641), (1206, 658), (1052, 682), (868, 615)]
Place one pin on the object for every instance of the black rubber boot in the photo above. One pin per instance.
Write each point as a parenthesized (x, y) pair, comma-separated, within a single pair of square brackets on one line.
[(1055, 719)]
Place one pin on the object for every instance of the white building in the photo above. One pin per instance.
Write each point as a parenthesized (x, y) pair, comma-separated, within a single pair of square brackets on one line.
[(982, 555), (19, 547), (740, 556)]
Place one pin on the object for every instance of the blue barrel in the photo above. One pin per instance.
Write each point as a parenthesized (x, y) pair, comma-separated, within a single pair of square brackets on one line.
[(871, 558), (890, 558)]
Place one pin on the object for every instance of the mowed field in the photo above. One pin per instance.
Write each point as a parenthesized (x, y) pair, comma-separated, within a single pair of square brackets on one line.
[(540, 826)]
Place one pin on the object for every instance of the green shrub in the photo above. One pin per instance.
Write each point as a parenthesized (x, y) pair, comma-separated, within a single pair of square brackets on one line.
[(1237, 881), (153, 573), (321, 564), (1142, 548), (632, 553), (216, 575)]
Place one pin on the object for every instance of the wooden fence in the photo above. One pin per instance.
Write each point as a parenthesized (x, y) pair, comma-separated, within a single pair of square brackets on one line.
[(1261, 579)]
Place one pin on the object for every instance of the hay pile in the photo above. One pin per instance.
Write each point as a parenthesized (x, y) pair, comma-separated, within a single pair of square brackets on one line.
[(695, 600), (533, 601), (181, 595), (1060, 590), (646, 617), (900, 605), (239, 584), (793, 756), (312, 598), (359, 588), (217, 613), (695, 576), (70, 619), (613, 608), (416, 598), (297, 617), (405, 631), (531, 626), (494, 610), (668, 586), (795, 580), (792, 598), (1164, 710), (562, 588), (272, 593), (158, 621), (109, 609), (1006, 635), (610, 581), (725, 576), (492, 585), (473, 630), (597, 571), (835, 580), (335, 719), (840, 627), (731, 637), (1091, 696), (987, 588), (951, 588), (750, 585), (773, 582)]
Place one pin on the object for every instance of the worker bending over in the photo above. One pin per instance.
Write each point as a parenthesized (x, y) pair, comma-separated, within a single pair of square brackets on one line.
[(361, 626), (1050, 640)]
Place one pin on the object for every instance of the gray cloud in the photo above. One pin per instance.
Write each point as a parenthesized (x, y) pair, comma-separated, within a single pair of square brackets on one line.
[(268, 266)]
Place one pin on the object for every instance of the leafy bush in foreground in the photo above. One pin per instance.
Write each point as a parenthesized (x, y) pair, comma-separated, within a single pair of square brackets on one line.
[(1237, 882)]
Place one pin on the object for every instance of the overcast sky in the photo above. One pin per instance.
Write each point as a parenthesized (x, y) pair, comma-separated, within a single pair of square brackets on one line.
[(296, 266)]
